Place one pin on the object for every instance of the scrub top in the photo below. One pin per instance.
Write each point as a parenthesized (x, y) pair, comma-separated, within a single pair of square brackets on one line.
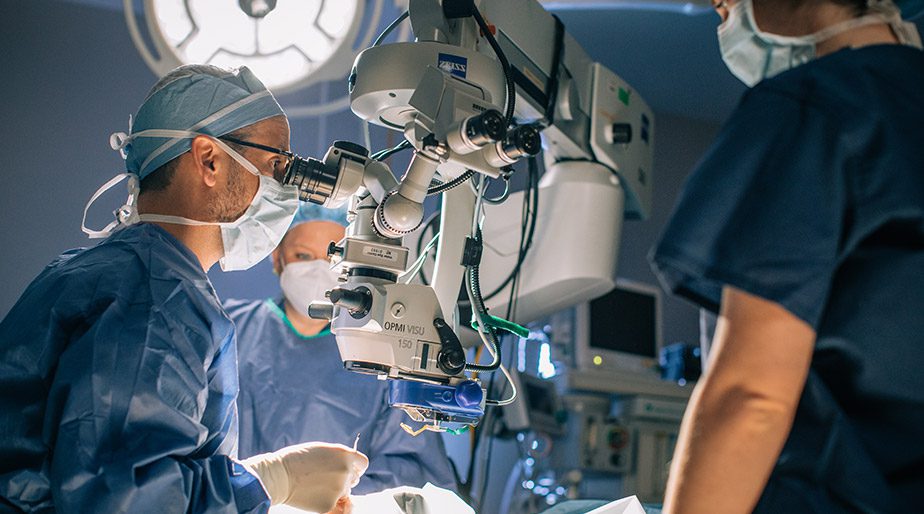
[(294, 389), (813, 197), (118, 380)]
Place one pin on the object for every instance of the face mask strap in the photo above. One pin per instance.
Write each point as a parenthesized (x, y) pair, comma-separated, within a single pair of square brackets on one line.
[(906, 32), (237, 157), (733, 18), (127, 214), (838, 28), (177, 220), (767, 37), (174, 136), (118, 141), (881, 11)]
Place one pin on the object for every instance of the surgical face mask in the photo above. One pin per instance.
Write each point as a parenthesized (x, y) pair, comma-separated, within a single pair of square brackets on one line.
[(246, 240), (304, 282), (753, 55)]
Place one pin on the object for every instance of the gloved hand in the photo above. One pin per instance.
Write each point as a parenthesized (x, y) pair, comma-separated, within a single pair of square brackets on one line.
[(309, 476)]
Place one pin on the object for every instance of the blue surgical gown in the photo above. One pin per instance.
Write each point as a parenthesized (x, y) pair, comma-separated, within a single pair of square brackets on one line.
[(295, 389), (118, 381), (813, 197)]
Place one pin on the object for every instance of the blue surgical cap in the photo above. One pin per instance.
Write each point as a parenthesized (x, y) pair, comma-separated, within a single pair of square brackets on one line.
[(200, 102), (313, 212)]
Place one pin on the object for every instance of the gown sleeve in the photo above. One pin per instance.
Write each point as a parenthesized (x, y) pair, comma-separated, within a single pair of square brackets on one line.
[(133, 427), (763, 211)]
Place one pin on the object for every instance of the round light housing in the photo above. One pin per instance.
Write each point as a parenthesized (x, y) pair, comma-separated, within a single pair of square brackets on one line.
[(289, 44)]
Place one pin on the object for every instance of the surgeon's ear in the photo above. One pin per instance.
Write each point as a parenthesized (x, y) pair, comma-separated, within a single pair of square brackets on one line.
[(204, 153)]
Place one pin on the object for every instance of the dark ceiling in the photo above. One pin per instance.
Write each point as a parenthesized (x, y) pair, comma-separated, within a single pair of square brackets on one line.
[(667, 51)]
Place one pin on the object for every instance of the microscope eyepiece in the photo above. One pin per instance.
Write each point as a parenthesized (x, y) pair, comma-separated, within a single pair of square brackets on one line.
[(485, 128), (476, 132), (521, 142), (314, 179)]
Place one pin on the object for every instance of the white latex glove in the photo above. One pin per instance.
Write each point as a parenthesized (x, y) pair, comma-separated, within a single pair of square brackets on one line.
[(309, 476)]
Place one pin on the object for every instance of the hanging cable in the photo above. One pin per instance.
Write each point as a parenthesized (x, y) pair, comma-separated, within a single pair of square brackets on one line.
[(486, 332), (442, 187), (503, 196), (490, 428), (434, 220), (381, 155), (473, 289), (513, 390), (510, 104), (406, 277), (531, 211), (390, 28)]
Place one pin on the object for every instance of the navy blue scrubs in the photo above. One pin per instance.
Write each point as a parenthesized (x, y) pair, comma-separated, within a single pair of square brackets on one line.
[(813, 197)]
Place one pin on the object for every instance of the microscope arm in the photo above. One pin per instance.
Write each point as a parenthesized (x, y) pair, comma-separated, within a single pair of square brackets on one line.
[(449, 271)]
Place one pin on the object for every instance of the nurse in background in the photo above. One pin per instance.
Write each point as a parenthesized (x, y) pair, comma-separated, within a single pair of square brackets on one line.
[(293, 384)]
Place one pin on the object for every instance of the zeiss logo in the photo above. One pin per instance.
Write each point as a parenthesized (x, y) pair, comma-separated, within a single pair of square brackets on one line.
[(454, 65)]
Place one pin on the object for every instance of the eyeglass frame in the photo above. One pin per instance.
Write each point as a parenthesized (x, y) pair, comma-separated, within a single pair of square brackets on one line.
[(285, 153)]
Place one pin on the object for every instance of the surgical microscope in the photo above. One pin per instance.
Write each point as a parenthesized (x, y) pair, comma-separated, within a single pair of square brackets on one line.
[(484, 85)]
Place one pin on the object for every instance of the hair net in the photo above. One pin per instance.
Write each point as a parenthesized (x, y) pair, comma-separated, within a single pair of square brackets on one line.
[(197, 98), (313, 212)]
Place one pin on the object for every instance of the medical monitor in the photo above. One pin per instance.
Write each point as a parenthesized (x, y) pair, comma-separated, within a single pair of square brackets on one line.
[(620, 331), (537, 407)]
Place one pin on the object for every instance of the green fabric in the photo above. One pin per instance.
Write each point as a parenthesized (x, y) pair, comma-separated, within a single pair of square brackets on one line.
[(279, 311)]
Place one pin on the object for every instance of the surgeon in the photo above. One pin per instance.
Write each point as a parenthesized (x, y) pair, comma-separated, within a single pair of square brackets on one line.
[(803, 228), (118, 373), (293, 384)]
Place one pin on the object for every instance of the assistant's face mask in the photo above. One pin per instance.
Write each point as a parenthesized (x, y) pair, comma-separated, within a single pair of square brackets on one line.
[(304, 282), (246, 240), (753, 55)]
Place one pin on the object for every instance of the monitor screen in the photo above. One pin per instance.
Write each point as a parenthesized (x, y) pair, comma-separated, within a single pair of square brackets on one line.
[(625, 320), (539, 399)]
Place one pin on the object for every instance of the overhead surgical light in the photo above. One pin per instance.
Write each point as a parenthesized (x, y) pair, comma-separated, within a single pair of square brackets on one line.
[(289, 44)]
